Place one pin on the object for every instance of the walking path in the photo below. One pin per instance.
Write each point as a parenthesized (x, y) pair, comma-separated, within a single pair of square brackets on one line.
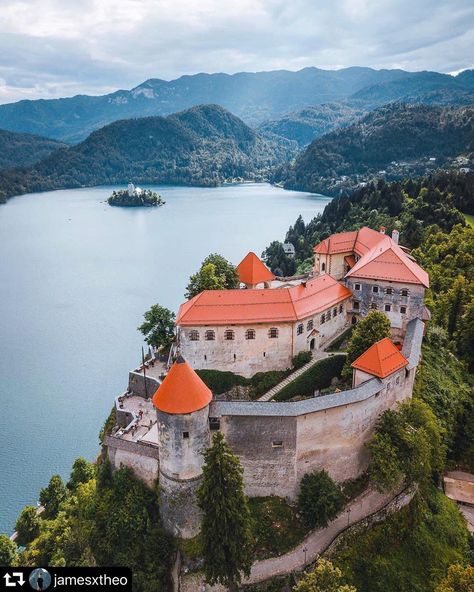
[(319, 540), (281, 385)]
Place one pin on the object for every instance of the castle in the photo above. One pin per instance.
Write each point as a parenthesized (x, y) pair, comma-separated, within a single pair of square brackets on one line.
[(165, 418)]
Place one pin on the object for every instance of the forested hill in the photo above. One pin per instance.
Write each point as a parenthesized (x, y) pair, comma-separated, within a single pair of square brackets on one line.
[(395, 132), (253, 96), (201, 146), (24, 149)]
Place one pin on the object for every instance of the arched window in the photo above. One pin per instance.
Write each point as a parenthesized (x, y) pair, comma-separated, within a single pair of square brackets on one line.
[(273, 333), (323, 319), (323, 266), (299, 329), (309, 325), (250, 334), (210, 335), (229, 335), (194, 335)]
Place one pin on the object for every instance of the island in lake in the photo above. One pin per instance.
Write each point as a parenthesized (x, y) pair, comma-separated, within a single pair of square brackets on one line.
[(133, 197)]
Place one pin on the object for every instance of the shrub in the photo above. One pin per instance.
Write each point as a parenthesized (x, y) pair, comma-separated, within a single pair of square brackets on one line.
[(221, 382), (320, 499), (8, 551), (301, 359), (264, 381), (317, 377)]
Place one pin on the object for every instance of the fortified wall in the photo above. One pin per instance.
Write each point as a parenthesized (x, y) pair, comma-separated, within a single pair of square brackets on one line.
[(277, 443)]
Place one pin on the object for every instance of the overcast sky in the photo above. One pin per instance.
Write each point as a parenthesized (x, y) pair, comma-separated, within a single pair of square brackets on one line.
[(53, 48)]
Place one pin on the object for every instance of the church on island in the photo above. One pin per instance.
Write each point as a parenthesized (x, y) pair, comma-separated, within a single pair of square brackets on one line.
[(165, 418)]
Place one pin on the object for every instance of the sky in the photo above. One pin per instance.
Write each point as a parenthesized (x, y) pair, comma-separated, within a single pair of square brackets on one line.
[(57, 48)]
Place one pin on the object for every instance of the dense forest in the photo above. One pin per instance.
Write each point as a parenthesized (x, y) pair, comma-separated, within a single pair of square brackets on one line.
[(201, 146), (386, 136), (17, 150)]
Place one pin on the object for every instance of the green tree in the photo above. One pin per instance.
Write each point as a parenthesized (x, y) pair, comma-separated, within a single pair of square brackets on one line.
[(320, 499), (324, 578), (465, 341), (459, 579), (226, 525), (373, 328), (82, 472), (52, 496), (8, 551), (158, 328), (27, 525), (406, 445), (215, 273)]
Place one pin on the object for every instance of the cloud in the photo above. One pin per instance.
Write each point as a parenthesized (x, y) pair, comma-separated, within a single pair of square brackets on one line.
[(51, 48)]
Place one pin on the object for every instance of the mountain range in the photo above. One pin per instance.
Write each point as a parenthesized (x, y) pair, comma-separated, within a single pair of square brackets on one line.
[(254, 97), (203, 145), (383, 138)]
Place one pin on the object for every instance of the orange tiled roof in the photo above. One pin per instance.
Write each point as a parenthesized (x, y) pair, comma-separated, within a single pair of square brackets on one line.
[(387, 261), (241, 307), (252, 270), (381, 359), (182, 391), (357, 241)]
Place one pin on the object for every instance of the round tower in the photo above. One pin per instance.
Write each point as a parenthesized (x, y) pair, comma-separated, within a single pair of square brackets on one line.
[(182, 407)]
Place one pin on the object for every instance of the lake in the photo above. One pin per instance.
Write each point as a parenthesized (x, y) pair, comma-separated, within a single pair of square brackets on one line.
[(76, 277)]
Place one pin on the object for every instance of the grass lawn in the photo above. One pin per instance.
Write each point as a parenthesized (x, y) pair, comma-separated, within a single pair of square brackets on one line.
[(469, 219), (276, 526)]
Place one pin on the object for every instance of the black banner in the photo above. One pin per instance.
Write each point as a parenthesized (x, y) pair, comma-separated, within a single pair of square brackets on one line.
[(66, 579)]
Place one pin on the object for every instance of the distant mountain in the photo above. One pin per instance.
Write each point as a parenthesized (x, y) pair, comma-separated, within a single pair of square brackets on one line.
[(312, 122), (391, 133), (18, 149), (255, 97), (203, 145)]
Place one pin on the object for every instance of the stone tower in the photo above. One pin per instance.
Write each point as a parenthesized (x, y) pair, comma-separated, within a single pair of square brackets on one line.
[(182, 407)]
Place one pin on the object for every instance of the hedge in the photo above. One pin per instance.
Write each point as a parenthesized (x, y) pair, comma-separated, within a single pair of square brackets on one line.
[(315, 378), (220, 381)]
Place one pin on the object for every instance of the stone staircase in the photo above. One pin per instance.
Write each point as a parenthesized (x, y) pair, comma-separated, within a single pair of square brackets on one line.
[(317, 356)]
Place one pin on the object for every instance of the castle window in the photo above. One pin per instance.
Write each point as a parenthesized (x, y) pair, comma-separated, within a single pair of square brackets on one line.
[(389, 291), (185, 435), (375, 289), (403, 309), (404, 292), (388, 307), (397, 380), (334, 312), (277, 444), (328, 315), (299, 329), (309, 325), (373, 305), (229, 335), (214, 423), (341, 308), (355, 305), (194, 335), (210, 335), (273, 333), (250, 334), (323, 319), (235, 357), (323, 266), (205, 357), (357, 287)]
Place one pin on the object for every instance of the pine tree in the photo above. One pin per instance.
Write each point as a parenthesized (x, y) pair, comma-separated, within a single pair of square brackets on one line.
[(226, 524)]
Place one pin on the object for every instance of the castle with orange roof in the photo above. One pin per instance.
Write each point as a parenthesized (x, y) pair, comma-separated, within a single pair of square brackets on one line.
[(166, 417)]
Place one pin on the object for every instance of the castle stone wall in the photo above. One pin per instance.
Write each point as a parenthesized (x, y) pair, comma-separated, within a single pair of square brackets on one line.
[(141, 457)]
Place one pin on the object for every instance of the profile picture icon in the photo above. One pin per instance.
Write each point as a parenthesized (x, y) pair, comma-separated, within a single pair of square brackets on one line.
[(40, 579)]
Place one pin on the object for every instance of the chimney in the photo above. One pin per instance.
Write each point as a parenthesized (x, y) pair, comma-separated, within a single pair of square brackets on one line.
[(382, 230), (395, 236)]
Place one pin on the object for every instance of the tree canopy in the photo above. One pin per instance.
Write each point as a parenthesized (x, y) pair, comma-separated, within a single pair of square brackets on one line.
[(158, 327), (8, 551), (324, 578), (27, 525), (215, 273), (52, 496), (319, 499)]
